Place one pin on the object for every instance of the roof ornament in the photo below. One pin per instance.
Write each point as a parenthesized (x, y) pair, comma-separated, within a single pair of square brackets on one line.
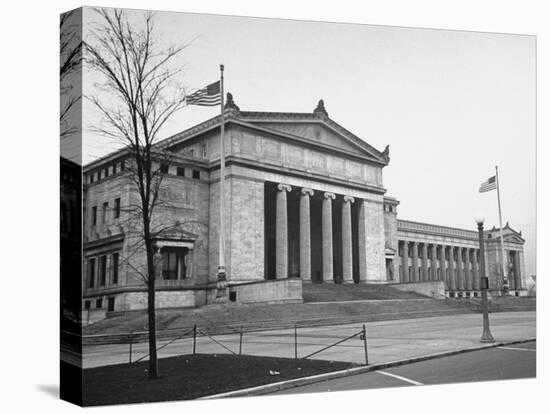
[(321, 108), (386, 153), (230, 103)]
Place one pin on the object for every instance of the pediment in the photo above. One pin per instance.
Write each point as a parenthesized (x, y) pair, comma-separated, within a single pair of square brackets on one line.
[(325, 133), (513, 238)]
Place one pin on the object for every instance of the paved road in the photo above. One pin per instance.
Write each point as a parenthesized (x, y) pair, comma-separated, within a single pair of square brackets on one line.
[(387, 340), (509, 362)]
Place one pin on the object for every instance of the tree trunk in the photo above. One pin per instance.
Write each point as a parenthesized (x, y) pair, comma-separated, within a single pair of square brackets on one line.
[(153, 363)]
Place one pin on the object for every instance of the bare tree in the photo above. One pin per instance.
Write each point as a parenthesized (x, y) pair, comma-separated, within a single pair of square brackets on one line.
[(137, 94), (70, 58)]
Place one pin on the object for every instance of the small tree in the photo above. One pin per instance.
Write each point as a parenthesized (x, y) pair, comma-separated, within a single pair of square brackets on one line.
[(138, 94)]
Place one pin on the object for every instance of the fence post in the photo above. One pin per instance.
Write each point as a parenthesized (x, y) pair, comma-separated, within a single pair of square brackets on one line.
[(295, 341), (130, 351), (365, 344), (194, 339), (241, 341)]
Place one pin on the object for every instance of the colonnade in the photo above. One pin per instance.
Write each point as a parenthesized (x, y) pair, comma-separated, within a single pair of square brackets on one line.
[(457, 266), (281, 235)]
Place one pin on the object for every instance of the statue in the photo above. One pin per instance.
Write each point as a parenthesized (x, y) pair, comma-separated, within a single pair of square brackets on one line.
[(321, 108), (386, 152), (230, 103)]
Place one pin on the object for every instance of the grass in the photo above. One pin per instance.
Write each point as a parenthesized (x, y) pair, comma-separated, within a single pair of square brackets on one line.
[(192, 376)]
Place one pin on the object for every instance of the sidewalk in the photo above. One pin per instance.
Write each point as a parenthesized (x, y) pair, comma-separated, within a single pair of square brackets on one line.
[(387, 340)]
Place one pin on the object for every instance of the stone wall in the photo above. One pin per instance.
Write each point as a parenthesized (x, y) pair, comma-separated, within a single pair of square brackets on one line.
[(434, 289), (269, 291)]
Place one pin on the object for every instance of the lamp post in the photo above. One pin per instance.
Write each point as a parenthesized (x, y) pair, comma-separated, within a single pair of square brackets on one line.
[(486, 336)]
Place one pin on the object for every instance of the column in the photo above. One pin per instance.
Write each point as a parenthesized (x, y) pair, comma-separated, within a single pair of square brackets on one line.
[(405, 262), (424, 262), (519, 275), (475, 271), (468, 271), (347, 252), (452, 277), (415, 275), (434, 262), (328, 274), (281, 232), (459, 268), (305, 235), (362, 242)]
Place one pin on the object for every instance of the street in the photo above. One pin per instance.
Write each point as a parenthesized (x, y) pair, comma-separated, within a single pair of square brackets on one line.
[(506, 362)]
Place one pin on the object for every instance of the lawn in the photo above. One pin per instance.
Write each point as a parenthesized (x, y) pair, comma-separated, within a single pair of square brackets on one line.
[(192, 376)]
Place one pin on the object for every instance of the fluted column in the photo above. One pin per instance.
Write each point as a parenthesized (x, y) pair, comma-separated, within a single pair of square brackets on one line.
[(405, 262), (519, 275), (362, 232), (281, 232), (424, 262), (459, 268), (328, 273), (305, 235), (475, 271), (452, 276), (415, 275), (347, 252), (468, 271), (434, 262)]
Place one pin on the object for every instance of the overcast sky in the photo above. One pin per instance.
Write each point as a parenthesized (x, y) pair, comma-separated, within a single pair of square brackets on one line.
[(450, 104)]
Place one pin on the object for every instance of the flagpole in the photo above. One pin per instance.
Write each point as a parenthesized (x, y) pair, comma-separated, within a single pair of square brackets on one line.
[(504, 276), (221, 267)]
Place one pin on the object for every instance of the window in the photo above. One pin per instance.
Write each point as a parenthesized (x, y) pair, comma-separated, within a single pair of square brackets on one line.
[(106, 174), (114, 169), (203, 150), (91, 178), (122, 166), (164, 168), (390, 208), (99, 175), (110, 304), (196, 174), (94, 215), (114, 267), (91, 272), (117, 207), (102, 270), (173, 266), (104, 213), (446, 254), (99, 303), (87, 304), (181, 171)]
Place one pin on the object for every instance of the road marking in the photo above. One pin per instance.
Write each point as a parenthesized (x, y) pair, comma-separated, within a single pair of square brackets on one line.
[(517, 349), (410, 381)]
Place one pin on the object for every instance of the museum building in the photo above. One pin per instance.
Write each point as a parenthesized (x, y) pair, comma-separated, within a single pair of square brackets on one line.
[(304, 203)]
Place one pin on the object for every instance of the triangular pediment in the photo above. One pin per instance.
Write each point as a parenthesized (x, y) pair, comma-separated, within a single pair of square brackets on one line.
[(513, 238), (323, 132)]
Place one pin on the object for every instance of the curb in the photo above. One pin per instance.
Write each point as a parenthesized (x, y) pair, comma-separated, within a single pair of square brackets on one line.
[(297, 382)]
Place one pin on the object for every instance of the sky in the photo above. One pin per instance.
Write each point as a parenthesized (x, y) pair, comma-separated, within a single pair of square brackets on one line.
[(452, 105)]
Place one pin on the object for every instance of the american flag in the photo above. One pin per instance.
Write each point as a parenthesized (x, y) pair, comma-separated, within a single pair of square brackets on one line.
[(488, 185), (208, 96)]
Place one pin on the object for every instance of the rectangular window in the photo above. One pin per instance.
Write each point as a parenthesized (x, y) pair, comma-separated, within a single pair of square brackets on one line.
[(92, 177), (164, 168), (106, 174), (110, 304), (91, 272), (122, 166), (181, 172), (114, 169), (196, 174), (114, 267), (87, 304), (102, 270), (94, 215), (104, 213), (98, 175), (99, 303), (173, 266), (117, 207)]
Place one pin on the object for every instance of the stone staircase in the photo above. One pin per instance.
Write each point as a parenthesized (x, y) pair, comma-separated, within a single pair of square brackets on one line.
[(325, 292)]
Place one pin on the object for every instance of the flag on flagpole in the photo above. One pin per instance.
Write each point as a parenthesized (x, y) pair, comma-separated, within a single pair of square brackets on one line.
[(488, 185), (207, 96)]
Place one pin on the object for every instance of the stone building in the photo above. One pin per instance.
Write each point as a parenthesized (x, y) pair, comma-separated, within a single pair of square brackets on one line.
[(304, 202)]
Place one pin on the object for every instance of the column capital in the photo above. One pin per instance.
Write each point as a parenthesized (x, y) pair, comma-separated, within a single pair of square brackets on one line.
[(329, 195), (307, 191), (348, 199), (284, 187)]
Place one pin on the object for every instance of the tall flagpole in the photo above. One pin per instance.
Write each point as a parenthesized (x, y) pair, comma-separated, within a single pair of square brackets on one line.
[(221, 267), (504, 276)]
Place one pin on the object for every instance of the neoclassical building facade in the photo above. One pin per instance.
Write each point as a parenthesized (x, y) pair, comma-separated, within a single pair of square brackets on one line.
[(304, 203)]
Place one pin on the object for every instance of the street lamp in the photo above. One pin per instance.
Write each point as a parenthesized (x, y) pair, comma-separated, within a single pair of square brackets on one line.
[(486, 336)]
